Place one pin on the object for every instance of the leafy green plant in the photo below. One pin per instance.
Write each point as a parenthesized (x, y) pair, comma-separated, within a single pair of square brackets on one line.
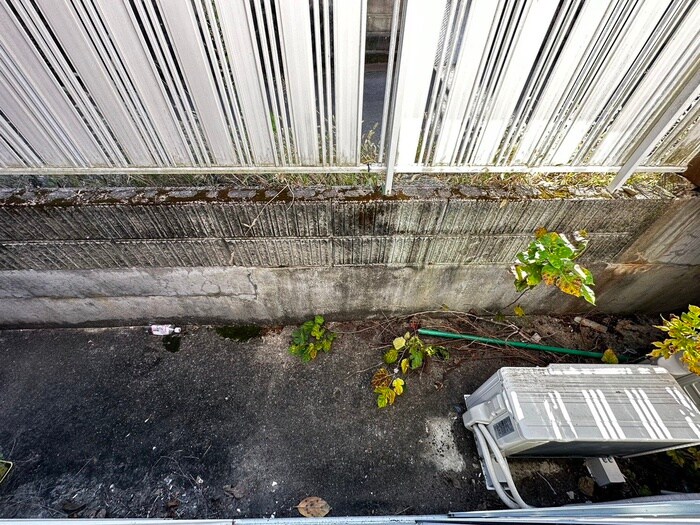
[(387, 387), (550, 258), (683, 336), (411, 353), (311, 338)]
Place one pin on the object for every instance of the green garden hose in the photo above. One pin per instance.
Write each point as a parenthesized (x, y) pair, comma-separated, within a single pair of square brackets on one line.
[(517, 344)]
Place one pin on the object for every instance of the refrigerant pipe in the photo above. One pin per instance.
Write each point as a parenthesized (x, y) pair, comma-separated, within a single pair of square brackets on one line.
[(517, 344)]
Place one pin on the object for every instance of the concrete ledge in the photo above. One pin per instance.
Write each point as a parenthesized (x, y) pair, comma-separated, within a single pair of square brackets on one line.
[(235, 294)]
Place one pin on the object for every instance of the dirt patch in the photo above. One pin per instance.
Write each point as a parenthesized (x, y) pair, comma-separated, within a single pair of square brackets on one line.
[(108, 422)]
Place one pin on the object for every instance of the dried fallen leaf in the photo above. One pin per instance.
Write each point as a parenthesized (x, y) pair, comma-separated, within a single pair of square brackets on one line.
[(313, 507), (381, 379), (72, 506), (586, 485), (237, 492)]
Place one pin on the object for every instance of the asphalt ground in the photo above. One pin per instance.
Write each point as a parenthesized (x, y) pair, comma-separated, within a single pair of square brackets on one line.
[(113, 422)]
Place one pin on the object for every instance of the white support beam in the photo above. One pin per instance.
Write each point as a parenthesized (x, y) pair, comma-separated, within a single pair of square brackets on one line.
[(671, 114), (361, 168)]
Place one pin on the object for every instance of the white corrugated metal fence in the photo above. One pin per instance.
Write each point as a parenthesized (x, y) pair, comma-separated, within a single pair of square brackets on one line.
[(276, 85)]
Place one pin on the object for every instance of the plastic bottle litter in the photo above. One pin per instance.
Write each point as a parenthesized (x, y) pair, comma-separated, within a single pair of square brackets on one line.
[(165, 329)]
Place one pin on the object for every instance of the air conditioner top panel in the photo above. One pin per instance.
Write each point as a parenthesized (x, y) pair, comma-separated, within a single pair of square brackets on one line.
[(616, 409)]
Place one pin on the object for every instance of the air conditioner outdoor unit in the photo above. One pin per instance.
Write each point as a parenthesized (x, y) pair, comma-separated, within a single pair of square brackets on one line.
[(577, 411)]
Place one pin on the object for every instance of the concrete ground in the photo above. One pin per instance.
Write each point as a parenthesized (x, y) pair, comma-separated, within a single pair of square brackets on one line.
[(110, 422)]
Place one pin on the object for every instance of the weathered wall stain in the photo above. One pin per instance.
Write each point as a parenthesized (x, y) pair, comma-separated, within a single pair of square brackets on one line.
[(129, 256)]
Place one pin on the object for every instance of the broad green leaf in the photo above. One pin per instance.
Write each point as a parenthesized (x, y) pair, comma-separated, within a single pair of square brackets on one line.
[(534, 278), (319, 319), (297, 338), (399, 343), (569, 284), (391, 356), (416, 357), (521, 286), (579, 271), (588, 294), (564, 252), (554, 261), (382, 401)]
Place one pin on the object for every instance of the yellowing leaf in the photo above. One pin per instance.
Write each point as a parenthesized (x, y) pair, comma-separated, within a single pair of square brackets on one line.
[(539, 232), (571, 287), (405, 363), (390, 395), (391, 356), (549, 275), (399, 343), (397, 385), (381, 378), (313, 507), (610, 357), (519, 311)]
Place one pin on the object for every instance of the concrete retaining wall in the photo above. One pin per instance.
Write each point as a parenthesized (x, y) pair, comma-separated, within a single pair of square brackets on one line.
[(134, 256)]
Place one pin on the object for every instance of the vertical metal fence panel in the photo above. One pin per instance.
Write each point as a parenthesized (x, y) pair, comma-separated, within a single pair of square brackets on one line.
[(419, 42), (83, 44), (198, 64), (349, 56), (551, 112), (510, 77), (246, 70), (478, 28), (551, 85), (180, 83), (555, 85), (39, 121), (682, 142), (675, 60), (297, 53)]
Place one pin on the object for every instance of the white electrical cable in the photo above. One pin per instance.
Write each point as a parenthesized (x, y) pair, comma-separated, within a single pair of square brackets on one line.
[(490, 451), (493, 447), (488, 466)]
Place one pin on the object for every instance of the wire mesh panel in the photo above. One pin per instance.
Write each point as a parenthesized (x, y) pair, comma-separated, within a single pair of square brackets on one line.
[(172, 83), (545, 83)]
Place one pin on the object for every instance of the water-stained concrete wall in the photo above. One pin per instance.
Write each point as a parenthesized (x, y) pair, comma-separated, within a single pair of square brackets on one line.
[(128, 256)]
